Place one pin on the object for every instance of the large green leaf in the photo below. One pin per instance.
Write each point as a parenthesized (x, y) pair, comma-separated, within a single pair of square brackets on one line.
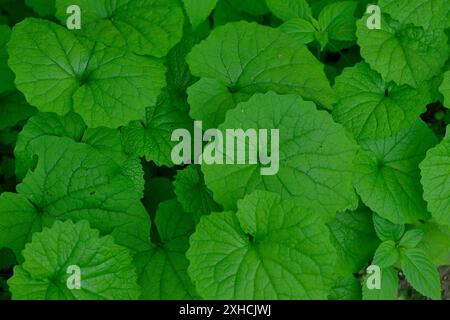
[(57, 72), (106, 269), (270, 249)]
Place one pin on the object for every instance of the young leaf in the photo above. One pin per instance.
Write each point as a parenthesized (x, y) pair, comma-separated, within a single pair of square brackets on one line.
[(421, 273), (300, 29), (386, 254), (57, 72), (388, 177), (436, 243), (144, 27), (371, 108), (387, 230), (289, 9), (315, 156), (338, 20), (435, 170), (270, 249), (388, 289), (260, 59), (107, 272), (403, 53), (162, 269), (411, 238)]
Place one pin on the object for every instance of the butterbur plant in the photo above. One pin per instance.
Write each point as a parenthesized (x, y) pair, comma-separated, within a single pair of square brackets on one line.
[(224, 149)]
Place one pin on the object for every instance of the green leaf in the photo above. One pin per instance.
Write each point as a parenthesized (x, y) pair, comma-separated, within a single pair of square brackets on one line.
[(387, 230), (346, 288), (14, 109), (299, 29), (43, 8), (388, 177), (144, 27), (6, 75), (210, 100), (151, 138), (436, 243), (430, 14), (315, 163), (192, 193), (106, 269), (162, 270), (435, 170), (249, 58), (445, 89), (349, 230), (338, 20), (270, 249), (371, 108), (106, 141), (74, 181), (198, 11), (57, 72), (289, 9), (421, 273), (403, 53), (411, 238), (388, 289), (386, 254)]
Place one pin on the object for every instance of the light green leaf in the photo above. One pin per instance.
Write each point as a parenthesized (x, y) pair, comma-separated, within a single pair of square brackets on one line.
[(270, 249), (192, 193), (144, 27), (198, 11), (388, 289), (388, 177), (403, 53), (372, 108), (107, 272), (349, 230), (387, 230), (421, 273), (249, 58), (151, 138), (6, 75), (57, 72), (435, 170), (289, 9), (162, 270), (430, 14), (411, 238), (386, 254), (75, 181), (315, 163), (299, 29), (338, 20)]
